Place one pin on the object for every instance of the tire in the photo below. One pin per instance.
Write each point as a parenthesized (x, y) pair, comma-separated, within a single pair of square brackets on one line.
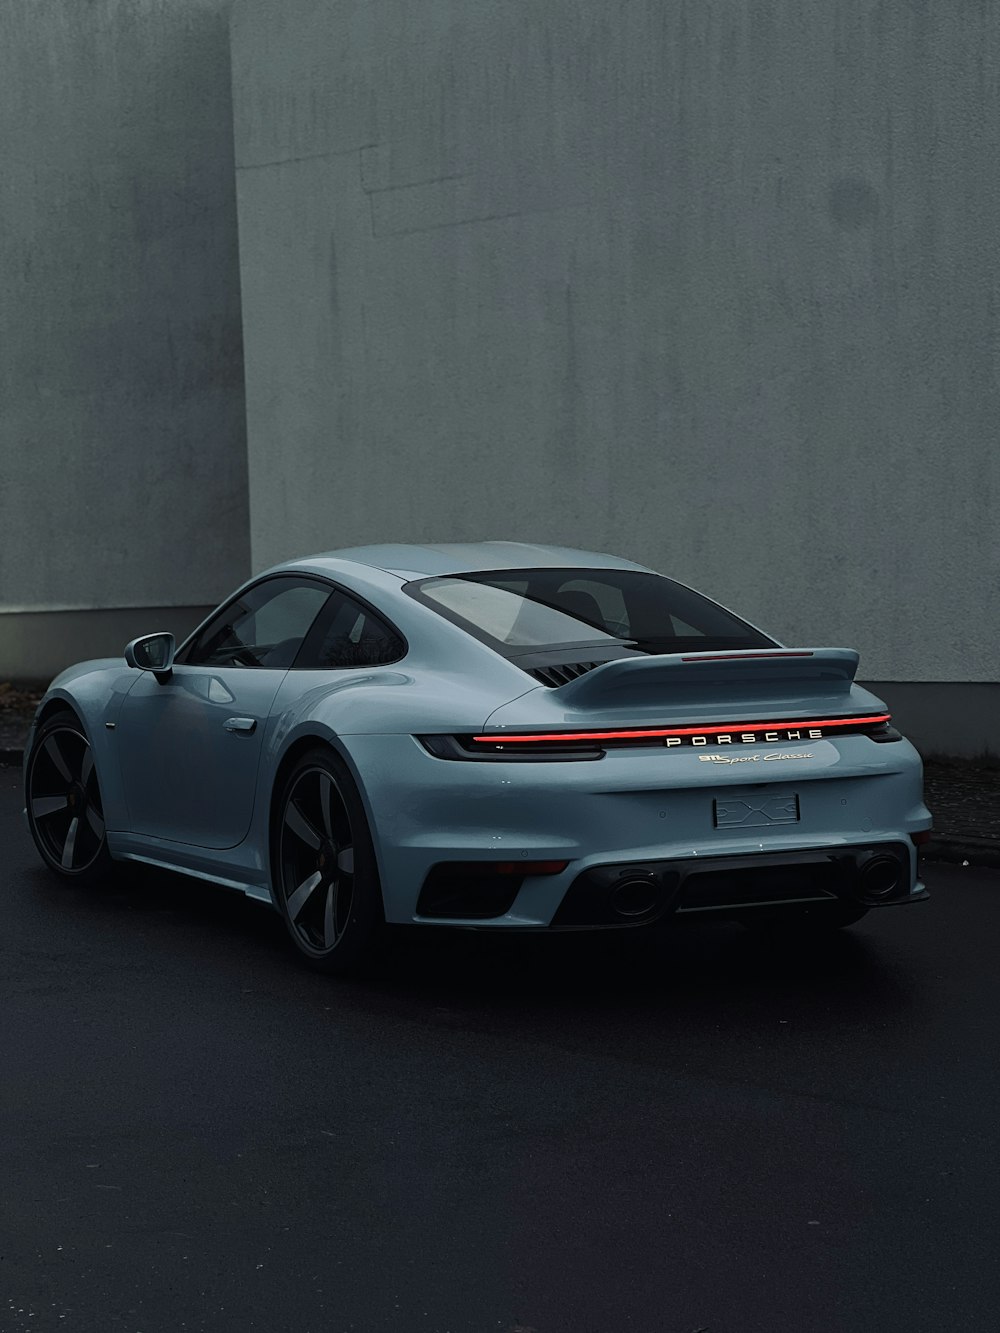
[(324, 874), (63, 801), (816, 919)]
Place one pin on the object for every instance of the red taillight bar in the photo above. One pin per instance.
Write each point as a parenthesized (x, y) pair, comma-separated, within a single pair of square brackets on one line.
[(654, 733)]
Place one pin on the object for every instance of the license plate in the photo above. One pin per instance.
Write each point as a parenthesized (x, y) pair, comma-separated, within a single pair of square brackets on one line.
[(756, 811)]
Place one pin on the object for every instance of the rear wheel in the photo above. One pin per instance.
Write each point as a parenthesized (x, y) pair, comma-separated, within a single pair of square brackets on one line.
[(324, 872), (63, 800)]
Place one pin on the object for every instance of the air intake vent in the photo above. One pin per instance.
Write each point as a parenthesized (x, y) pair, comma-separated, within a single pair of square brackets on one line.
[(554, 676)]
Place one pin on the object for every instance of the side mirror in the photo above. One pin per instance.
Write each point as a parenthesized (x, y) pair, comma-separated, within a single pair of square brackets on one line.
[(152, 652)]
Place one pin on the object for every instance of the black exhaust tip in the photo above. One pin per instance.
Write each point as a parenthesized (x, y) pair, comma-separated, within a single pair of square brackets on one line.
[(635, 896), (622, 895), (880, 877)]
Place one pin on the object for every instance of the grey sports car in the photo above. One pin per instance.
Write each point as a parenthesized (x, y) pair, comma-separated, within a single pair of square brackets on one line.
[(495, 735)]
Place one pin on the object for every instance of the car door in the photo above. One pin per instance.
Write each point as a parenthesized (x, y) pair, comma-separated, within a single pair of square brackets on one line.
[(189, 747)]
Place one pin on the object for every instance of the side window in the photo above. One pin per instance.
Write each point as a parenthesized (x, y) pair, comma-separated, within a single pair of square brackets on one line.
[(347, 634), (681, 629), (264, 627)]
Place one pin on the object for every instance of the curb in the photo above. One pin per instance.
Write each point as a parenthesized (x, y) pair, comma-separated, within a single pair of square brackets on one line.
[(963, 851)]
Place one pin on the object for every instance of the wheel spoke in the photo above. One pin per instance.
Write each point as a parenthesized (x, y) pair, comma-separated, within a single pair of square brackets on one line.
[(69, 827), (70, 847), (302, 895), (330, 917), (345, 860), (51, 748), (48, 805), (300, 826), (325, 801)]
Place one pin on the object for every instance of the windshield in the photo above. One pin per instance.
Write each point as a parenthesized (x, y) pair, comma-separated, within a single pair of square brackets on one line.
[(535, 609)]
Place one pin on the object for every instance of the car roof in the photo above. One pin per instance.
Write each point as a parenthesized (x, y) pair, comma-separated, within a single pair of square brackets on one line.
[(425, 560)]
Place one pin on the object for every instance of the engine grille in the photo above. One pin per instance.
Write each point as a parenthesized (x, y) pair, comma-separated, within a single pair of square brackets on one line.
[(554, 676)]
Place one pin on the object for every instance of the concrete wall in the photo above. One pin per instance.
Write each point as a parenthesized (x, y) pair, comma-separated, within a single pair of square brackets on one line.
[(122, 431), (37, 645), (945, 718), (713, 284)]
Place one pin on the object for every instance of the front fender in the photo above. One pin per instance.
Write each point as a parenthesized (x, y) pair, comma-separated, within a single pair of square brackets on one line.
[(95, 691)]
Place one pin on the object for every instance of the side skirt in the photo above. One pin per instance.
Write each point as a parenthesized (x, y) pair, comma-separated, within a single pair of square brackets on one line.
[(260, 892)]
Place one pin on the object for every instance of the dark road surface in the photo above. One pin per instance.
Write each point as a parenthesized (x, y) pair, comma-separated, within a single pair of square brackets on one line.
[(689, 1131)]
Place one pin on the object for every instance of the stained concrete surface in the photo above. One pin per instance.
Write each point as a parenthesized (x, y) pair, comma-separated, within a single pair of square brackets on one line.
[(714, 285), (122, 421)]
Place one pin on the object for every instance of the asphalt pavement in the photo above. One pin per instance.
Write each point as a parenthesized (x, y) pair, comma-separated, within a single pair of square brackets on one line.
[(688, 1131)]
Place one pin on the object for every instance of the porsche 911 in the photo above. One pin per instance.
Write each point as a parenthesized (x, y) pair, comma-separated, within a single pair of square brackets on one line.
[(496, 735)]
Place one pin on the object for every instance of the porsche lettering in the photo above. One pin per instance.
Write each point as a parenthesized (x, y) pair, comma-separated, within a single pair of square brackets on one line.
[(746, 737)]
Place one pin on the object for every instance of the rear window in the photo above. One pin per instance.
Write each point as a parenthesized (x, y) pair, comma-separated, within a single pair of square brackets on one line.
[(533, 610)]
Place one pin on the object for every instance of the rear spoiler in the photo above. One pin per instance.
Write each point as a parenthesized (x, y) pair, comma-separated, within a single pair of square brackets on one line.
[(731, 677)]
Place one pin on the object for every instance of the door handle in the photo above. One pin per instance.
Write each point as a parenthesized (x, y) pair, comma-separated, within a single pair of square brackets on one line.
[(246, 725)]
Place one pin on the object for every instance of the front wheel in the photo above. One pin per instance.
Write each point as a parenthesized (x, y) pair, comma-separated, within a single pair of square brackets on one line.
[(324, 871), (63, 801)]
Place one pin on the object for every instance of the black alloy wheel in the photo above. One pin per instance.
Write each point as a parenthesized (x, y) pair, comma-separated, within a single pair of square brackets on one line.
[(324, 872), (63, 800)]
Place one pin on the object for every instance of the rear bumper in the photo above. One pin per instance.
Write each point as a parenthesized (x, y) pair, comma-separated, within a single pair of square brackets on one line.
[(644, 808)]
